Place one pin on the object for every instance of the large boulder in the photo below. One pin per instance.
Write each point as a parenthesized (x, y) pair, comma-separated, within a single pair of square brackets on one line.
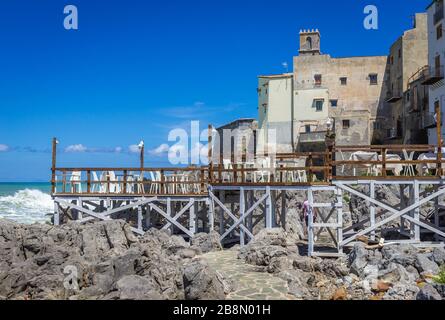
[(439, 256), (135, 287), (424, 265), (428, 292), (206, 242), (294, 227), (358, 259), (202, 283)]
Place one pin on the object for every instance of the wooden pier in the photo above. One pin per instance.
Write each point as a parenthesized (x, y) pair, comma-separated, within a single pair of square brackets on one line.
[(232, 197)]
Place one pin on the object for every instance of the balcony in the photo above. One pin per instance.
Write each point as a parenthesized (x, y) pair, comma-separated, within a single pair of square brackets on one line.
[(431, 75), (429, 120), (393, 96), (438, 15), (313, 137)]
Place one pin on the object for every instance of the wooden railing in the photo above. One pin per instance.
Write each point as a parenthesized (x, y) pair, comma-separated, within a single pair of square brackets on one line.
[(387, 162), (130, 181), (292, 169)]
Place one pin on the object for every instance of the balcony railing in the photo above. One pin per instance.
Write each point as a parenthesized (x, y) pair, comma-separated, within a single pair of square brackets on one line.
[(429, 120), (313, 137), (393, 96), (432, 74)]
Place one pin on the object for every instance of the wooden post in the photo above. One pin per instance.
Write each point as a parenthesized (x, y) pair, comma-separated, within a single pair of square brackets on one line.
[(268, 208), (372, 209), (88, 181), (53, 167), (192, 222), (242, 210), (56, 214), (340, 218), (210, 154), (310, 228), (384, 162), (310, 162), (439, 138), (417, 210), (140, 218), (125, 181)]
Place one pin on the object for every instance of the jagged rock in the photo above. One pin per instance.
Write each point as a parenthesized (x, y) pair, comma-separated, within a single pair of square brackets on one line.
[(206, 242), (340, 294), (428, 292), (380, 286), (294, 227), (202, 283), (358, 259), (424, 265), (439, 256), (105, 259), (271, 237), (401, 292), (135, 287), (297, 283), (440, 289), (262, 255)]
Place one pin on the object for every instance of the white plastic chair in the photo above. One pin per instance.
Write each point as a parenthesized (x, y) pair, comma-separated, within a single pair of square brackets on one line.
[(95, 182), (227, 165), (155, 176), (75, 181)]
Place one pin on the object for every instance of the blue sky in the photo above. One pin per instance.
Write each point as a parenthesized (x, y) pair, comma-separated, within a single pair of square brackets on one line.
[(136, 69)]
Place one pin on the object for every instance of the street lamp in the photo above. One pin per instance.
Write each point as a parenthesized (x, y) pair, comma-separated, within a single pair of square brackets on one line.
[(141, 148)]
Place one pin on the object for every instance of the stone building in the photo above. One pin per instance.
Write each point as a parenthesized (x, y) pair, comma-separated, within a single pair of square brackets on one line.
[(235, 141), (366, 100), (433, 74), (407, 57)]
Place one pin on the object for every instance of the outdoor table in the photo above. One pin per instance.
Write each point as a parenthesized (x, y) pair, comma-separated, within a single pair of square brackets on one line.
[(364, 156)]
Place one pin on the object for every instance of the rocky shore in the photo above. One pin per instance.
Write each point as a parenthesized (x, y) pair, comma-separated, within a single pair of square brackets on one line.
[(105, 260)]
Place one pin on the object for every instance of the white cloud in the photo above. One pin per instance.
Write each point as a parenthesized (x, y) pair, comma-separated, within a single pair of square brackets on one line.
[(162, 149), (4, 148), (118, 149), (134, 148), (76, 148)]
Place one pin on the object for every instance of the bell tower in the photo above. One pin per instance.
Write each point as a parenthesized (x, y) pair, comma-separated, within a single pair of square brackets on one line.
[(310, 42)]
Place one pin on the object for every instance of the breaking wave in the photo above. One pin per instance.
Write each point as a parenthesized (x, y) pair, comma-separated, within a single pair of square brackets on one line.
[(27, 206)]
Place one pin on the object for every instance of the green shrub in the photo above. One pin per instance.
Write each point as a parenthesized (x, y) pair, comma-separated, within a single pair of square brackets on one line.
[(440, 278)]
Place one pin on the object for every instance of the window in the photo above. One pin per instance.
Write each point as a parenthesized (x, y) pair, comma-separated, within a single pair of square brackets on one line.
[(333, 103), (307, 128), (309, 43), (346, 124), (343, 81), (373, 78), (319, 105), (377, 125), (437, 65), (439, 31), (317, 79), (400, 53), (391, 60)]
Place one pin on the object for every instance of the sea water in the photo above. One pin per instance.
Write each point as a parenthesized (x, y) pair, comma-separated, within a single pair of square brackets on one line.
[(26, 202)]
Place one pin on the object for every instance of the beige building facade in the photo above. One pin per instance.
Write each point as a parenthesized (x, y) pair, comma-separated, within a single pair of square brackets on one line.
[(407, 56), (364, 100)]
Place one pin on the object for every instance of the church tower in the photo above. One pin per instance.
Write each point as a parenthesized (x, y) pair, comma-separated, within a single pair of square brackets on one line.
[(310, 42)]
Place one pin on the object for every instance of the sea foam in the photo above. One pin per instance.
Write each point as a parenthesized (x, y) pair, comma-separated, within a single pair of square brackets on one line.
[(27, 206)]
